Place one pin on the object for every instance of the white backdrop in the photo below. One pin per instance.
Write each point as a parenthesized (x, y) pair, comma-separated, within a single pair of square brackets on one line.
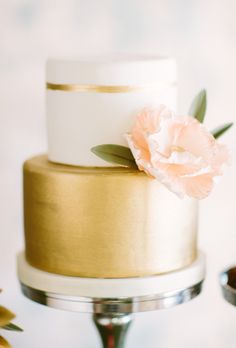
[(201, 35)]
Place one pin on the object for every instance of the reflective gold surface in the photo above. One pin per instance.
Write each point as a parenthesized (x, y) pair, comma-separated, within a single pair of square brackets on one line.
[(103, 88), (107, 222)]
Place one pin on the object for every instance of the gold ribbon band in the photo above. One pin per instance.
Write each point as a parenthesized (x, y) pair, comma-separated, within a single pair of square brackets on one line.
[(103, 88)]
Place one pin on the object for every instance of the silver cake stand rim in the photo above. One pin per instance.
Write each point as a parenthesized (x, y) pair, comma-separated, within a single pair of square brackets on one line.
[(112, 306), (228, 291)]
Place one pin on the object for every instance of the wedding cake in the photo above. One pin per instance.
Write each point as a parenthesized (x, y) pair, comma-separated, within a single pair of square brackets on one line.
[(83, 217)]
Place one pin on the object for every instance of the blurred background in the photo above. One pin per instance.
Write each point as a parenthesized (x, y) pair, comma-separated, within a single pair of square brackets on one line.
[(202, 36)]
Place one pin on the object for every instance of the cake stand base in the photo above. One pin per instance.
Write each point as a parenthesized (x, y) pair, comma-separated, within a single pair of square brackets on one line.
[(111, 300)]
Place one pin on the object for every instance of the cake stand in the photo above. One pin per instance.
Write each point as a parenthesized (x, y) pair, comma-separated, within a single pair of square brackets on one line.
[(112, 301), (228, 284)]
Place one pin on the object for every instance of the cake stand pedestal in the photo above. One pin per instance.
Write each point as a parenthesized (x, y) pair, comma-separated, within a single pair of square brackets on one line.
[(112, 301)]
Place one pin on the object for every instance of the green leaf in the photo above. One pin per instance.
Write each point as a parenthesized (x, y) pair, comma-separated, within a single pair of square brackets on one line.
[(115, 154), (12, 327), (198, 106), (217, 132)]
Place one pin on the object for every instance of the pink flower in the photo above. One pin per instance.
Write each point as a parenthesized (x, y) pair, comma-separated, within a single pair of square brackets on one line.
[(178, 151)]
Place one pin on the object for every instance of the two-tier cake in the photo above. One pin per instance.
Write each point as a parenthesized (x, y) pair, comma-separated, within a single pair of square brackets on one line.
[(82, 217)]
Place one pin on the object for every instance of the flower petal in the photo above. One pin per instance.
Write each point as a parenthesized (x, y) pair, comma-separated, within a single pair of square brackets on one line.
[(4, 343), (177, 151), (5, 316)]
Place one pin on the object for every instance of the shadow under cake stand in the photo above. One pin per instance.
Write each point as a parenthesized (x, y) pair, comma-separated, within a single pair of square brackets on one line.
[(112, 301)]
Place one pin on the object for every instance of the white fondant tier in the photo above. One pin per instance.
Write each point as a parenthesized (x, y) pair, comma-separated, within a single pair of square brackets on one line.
[(111, 288), (79, 120)]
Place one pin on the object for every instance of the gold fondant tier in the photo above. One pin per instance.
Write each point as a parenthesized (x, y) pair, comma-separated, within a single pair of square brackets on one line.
[(110, 222)]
